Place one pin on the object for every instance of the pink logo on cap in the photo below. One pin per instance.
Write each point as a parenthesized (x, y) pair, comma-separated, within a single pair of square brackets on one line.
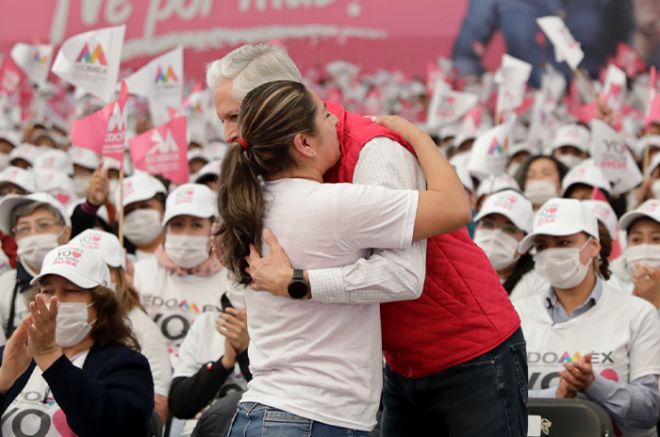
[(90, 241), (184, 196), (507, 202), (67, 257), (548, 214), (650, 207)]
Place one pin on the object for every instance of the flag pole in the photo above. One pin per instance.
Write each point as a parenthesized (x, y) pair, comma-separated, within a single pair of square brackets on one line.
[(120, 207)]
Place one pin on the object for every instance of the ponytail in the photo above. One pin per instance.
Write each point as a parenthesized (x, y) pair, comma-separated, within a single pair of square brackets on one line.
[(241, 206)]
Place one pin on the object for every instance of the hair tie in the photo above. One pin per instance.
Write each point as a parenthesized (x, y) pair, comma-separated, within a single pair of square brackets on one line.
[(243, 144)]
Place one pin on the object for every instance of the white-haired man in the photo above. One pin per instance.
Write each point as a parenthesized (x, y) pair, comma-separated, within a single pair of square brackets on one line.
[(456, 359)]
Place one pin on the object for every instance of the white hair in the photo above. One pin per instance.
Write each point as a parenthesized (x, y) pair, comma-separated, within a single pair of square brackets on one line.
[(250, 66)]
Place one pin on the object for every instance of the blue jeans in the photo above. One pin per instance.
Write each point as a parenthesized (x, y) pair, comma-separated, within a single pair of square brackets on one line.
[(257, 420), (484, 397)]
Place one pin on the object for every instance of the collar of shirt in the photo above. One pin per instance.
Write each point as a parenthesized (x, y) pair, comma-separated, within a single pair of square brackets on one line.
[(556, 310)]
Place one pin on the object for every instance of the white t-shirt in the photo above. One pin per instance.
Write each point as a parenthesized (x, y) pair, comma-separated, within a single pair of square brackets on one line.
[(530, 284), (154, 348), (7, 284), (202, 344), (324, 361), (35, 412), (621, 332), (174, 301)]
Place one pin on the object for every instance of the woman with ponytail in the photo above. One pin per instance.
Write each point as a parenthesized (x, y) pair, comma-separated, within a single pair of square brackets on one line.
[(317, 368)]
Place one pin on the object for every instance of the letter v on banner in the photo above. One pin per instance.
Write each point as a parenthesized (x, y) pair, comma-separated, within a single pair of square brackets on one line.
[(104, 131)]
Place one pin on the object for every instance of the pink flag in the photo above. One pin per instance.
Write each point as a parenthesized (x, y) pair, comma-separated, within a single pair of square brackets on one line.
[(653, 111), (162, 151), (104, 131), (628, 60)]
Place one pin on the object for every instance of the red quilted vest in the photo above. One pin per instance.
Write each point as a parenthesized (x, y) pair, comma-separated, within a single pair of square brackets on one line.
[(463, 312)]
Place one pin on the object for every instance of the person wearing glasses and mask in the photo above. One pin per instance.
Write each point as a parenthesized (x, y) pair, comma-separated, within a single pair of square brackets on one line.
[(39, 224), (503, 221), (183, 279), (71, 367), (583, 336)]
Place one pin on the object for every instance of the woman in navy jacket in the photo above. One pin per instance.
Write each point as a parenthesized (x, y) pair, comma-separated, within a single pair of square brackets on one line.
[(71, 366)]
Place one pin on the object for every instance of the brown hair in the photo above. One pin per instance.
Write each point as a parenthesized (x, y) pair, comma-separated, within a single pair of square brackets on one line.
[(127, 295), (602, 264), (270, 117)]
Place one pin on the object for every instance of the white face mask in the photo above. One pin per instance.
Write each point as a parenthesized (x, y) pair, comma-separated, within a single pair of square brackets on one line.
[(142, 226), (4, 161), (643, 255), (562, 267), (540, 191), (513, 168), (187, 251), (71, 325), (498, 246), (80, 185), (569, 160), (655, 189), (33, 248)]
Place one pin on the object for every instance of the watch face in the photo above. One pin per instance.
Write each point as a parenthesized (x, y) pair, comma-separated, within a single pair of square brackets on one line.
[(297, 289)]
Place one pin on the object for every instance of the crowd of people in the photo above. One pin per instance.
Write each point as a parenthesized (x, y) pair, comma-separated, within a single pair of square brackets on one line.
[(325, 273)]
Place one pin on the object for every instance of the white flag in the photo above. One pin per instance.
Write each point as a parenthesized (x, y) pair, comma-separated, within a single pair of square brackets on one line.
[(161, 81), (512, 82), (489, 151), (615, 87), (566, 47), (610, 153), (34, 59), (448, 106), (90, 61)]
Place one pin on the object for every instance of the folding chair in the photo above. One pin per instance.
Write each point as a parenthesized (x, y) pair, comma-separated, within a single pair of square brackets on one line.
[(571, 418)]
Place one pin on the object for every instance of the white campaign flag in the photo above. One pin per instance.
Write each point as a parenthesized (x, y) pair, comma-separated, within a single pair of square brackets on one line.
[(160, 81), (448, 106), (615, 87), (511, 80), (610, 153), (566, 47), (489, 151), (90, 61), (34, 59)]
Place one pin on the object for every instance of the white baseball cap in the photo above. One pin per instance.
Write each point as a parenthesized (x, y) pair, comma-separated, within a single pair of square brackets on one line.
[(559, 217), (10, 136), (604, 212), (216, 150), (53, 160), (52, 180), (26, 152), (190, 199), (493, 184), (140, 187), (196, 153), (106, 243), (210, 169), (588, 174), (19, 177), (464, 176), (655, 162), (646, 141), (517, 148), (511, 205), (572, 135), (84, 157), (82, 266), (11, 202), (451, 130), (650, 209)]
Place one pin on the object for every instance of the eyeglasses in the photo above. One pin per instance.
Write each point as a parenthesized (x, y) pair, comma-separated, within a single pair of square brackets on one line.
[(40, 227), (491, 225)]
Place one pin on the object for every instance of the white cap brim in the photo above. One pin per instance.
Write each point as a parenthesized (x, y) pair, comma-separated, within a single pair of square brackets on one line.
[(527, 242)]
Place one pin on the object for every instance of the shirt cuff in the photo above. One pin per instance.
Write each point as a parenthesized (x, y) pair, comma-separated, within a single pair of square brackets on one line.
[(600, 388), (327, 285), (88, 208)]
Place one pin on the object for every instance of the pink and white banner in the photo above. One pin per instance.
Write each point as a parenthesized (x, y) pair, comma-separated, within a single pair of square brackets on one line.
[(390, 35), (104, 131), (162, 151)]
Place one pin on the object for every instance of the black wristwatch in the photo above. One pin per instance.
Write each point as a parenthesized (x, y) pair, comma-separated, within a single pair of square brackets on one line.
[(298, 288)]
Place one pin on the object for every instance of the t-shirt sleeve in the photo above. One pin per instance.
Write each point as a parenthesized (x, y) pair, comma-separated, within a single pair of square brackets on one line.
[(375, 217), (187, 363), (154, 348), (645, 344)]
